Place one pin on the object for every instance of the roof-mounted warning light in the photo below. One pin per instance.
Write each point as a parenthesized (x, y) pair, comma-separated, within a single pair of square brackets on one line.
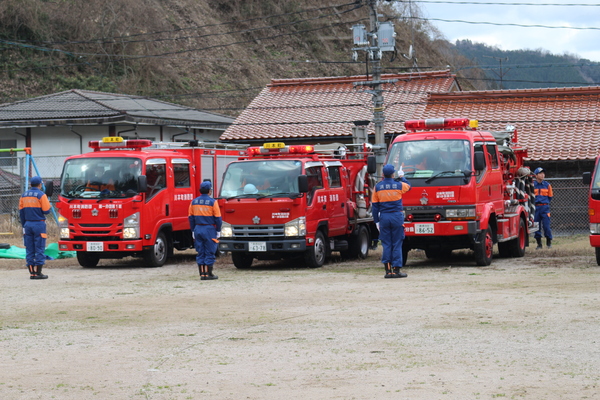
[(440, 123), (117, 142), (274, 148)]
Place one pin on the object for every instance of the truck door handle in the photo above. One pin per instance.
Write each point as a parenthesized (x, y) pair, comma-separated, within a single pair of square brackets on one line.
[(324, 206)]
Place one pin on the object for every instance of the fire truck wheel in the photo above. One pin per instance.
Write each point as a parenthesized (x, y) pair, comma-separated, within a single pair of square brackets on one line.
[(156, 256), (315, 255), (597, 255), (358, 245), (242, 260), (87, 260), (517, 245), (484, 249)]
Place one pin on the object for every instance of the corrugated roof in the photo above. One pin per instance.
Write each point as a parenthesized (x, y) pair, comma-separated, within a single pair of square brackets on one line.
[(554, 124), (326, 107), (84, 105)]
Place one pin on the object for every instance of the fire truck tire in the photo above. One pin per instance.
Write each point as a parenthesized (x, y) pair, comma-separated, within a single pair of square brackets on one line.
[(485, 248), (405, 250), (597, 255), (87, 260), (156, 256), (358, 244), (517, 245), (315, 256), (242, 260)]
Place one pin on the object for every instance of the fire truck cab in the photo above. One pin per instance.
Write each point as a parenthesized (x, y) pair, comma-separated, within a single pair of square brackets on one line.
[(283, 201), (131, 197), (466, 190), (593, 180)]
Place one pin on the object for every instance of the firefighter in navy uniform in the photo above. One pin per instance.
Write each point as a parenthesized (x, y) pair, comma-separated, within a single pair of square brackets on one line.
[(33, 208), (389, 218), (205, 224), (543, 196)]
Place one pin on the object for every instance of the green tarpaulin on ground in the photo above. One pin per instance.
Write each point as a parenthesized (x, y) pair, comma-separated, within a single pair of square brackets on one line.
[(51, 252)]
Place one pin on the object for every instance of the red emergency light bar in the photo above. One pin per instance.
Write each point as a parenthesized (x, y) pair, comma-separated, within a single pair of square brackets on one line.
[(116, 142), (439, 123), (280, 148)]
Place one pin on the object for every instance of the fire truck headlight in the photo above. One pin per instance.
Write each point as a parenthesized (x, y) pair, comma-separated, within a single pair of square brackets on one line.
[(296, 227), (131, 226), (226, 230), (594, 229), (63, 225), (460, 213)]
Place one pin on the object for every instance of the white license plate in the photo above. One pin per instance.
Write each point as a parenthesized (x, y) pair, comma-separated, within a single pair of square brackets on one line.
[(421, 229), (95, 246), (257, 246)]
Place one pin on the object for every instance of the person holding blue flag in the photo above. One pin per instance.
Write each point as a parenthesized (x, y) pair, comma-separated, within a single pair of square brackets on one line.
[(389, 218)]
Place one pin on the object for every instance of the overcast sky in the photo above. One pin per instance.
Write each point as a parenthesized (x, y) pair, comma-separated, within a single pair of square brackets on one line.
[(551, 13)]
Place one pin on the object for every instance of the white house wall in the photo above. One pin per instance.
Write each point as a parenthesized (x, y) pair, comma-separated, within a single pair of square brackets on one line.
[(51, 145)]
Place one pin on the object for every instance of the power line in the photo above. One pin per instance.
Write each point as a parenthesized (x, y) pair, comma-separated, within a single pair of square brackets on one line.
[(504, 24), (504, 4)]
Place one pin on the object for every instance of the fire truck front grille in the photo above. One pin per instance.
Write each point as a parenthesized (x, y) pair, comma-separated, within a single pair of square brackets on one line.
[(96, 238), (249, 231), (95, 225), (425, 217)]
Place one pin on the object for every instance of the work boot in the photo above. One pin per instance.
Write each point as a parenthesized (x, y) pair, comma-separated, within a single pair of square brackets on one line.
[(398, 274), (549, 243), (388, 271), (32, 273), (374, 244), (38, 273), (203, 272), (539, 243), (210, 275)]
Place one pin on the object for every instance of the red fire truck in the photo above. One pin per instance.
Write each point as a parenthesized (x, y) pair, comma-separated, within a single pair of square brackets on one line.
[(284, 201), (131, 197), (594, 207), (468, 189)]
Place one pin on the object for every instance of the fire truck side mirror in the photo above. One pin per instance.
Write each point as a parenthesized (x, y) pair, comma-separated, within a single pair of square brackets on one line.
[(479, 162), (142, 184), (587, 178), (371, 164), (49, 188), (302, 183)]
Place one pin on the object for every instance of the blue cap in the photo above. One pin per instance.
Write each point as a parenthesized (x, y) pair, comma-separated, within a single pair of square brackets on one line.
[(36, 180), (388, 169), (206, 185), (538, 170)]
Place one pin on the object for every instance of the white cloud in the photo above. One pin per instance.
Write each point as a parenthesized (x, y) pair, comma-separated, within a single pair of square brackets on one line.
[(558, 41)]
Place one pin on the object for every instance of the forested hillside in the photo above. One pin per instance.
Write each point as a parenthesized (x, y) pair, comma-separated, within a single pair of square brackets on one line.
[(215, 54), (520, 69)]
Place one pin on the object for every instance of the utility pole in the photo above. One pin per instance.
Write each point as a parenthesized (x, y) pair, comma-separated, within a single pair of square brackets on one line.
[(380, 38), (502, 72)]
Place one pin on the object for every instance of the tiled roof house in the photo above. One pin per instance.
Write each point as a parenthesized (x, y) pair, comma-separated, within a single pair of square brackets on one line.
[(557, 124), (323, 109)]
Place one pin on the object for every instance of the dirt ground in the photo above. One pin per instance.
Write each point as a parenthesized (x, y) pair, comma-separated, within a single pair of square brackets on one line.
[(520, 329)]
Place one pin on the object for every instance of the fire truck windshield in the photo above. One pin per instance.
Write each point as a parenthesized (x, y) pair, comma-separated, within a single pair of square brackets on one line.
[(100, 177), (261, 178), (432, 159)]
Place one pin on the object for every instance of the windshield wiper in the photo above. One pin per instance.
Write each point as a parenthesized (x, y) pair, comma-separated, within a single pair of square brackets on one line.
[(440, 174)]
